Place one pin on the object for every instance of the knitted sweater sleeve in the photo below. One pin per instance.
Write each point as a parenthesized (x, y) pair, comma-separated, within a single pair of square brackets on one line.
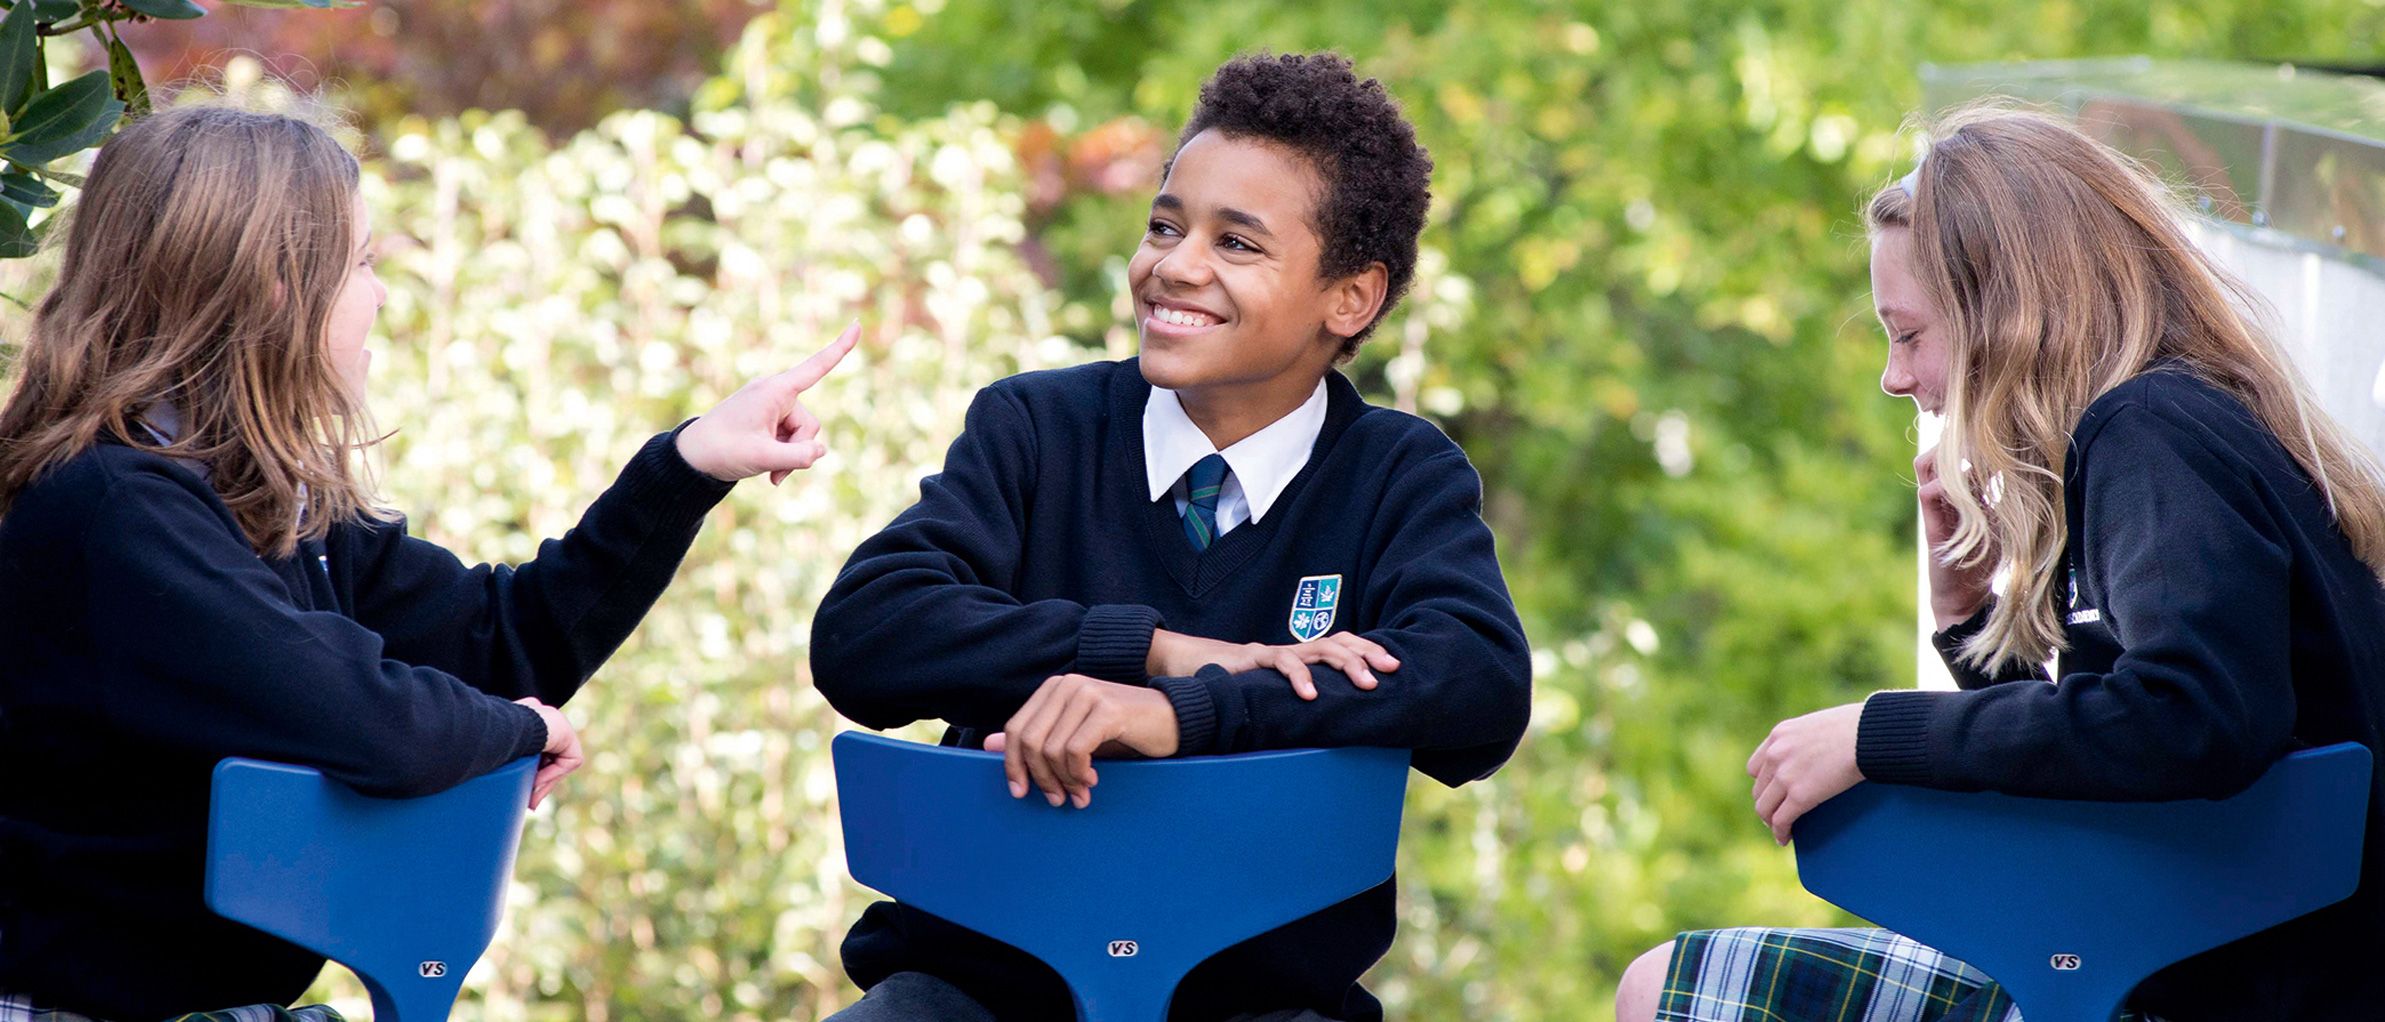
[(543, 627), (1949, 644), (922, 623), (2194, 574), (224, 664)]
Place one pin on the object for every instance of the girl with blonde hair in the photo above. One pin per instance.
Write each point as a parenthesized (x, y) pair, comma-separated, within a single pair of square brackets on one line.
[(193, 566), (2176, 521)]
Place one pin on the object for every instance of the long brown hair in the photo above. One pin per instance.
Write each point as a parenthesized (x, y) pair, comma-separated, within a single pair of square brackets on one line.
[(2060, 269), (201, 265)]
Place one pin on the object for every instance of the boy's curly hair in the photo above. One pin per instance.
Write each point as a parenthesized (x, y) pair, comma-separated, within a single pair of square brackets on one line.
[(1376, 175)]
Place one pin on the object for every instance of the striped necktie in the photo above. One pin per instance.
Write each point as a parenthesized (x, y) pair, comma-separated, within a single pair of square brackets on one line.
[(1201, 487)]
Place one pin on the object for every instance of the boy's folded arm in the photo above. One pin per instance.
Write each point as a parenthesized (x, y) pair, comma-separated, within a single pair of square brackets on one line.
[(914, 641), (921, 624), (1463, 691)]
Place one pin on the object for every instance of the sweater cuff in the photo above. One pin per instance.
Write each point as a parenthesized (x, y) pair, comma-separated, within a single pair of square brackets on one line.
[(658, 478), (534, 735), (1196, 711), (1892, 739), (1949, 643), (1114, 643)]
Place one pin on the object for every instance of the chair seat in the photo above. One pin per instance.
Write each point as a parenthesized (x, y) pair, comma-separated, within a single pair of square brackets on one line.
[(2069, 905), (404, 892), (1174, 861)]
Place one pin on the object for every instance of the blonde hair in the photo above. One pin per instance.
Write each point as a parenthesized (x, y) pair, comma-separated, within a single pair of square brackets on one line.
[(2061, 269), (202, 262)]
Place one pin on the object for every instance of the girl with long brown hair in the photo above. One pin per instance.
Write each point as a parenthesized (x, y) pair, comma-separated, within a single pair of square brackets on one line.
[(2175, 521), (193, 566)]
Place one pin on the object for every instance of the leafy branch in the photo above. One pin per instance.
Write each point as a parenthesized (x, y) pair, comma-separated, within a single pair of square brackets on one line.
[(41, 124)]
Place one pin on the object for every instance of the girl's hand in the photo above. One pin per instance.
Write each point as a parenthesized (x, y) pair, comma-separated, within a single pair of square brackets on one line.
[(1955, 593), (764, 427), (561, 755), (1803, 763), (1174, 654)]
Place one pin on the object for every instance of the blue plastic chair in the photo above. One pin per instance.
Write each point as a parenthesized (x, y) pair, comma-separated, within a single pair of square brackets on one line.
[(1175, 860), (404, 892), (2069, 905)]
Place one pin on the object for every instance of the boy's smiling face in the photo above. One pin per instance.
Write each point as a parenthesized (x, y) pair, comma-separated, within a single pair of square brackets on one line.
[(1225, 282)]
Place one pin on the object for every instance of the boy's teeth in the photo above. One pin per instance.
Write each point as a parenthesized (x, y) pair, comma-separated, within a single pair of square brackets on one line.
[(1182, 318)]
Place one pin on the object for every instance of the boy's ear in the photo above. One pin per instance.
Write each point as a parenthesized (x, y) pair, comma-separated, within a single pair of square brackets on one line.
[(1351, 302)]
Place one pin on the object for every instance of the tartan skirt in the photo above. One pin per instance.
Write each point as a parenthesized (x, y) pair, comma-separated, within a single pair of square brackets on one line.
[(15, 1008), (1757, 974)]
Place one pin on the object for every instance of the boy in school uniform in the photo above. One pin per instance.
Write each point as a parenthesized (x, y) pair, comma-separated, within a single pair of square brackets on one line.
[(1217, 547)]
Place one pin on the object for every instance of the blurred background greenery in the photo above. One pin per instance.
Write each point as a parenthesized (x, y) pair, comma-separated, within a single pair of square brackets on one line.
[(1643, 313)]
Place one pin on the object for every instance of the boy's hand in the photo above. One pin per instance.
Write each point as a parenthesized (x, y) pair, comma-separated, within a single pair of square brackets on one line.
[(1174, 654), (764, 426), (1052, 740), (1803, 763)]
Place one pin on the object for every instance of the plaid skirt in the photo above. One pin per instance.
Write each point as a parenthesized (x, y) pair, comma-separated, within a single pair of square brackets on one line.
[(1754, 974), (16, 1008)]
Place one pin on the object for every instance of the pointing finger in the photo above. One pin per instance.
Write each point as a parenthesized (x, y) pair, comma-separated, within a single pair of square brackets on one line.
[(810, 370)]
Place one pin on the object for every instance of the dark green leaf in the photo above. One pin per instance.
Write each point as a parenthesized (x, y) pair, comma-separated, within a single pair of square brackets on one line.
[(124, 73), (171, 10), (18, 54), (17, 239), (65, 120), (26, 189), (50, 12)]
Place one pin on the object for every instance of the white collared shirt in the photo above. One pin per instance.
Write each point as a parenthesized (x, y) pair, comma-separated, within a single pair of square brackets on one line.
[(1258, 467), (163, 422)]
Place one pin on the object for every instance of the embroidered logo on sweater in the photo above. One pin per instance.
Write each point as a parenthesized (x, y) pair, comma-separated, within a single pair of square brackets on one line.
[(1313, 605)]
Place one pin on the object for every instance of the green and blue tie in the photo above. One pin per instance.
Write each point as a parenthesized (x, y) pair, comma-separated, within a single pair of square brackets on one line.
[(1201, 487)]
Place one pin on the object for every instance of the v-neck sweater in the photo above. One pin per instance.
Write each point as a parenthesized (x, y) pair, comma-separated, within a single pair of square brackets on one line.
[(1037, 552)]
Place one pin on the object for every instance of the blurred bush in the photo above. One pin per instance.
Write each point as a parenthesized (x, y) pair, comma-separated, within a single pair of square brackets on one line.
[(563, 63), (1642, 312)]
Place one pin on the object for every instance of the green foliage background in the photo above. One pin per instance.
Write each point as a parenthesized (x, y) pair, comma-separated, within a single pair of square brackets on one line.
[(1643, 314)]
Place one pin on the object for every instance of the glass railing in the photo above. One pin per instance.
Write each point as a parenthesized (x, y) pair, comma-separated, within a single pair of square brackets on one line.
[(2291, 152)]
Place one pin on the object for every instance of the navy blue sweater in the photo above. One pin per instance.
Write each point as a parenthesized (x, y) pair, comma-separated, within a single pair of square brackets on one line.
[(145, 641), (1037, 552), (2218, 619)]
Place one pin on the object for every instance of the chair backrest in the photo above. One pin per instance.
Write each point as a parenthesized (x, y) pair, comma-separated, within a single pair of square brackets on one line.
[(1174, 861), (2069, 905), (405, 892)]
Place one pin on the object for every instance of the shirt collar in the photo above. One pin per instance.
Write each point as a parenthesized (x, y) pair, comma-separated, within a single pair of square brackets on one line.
[(162, 420), (1263, 462)]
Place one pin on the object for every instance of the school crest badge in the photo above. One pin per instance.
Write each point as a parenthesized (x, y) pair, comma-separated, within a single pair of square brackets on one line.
[(1313, 606)]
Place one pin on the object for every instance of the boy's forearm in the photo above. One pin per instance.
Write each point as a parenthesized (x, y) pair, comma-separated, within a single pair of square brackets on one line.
[(1462, 707), (1179, 654), (963, 654)]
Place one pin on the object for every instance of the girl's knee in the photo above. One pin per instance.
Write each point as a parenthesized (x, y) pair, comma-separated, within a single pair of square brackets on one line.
[(1643, 982)]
